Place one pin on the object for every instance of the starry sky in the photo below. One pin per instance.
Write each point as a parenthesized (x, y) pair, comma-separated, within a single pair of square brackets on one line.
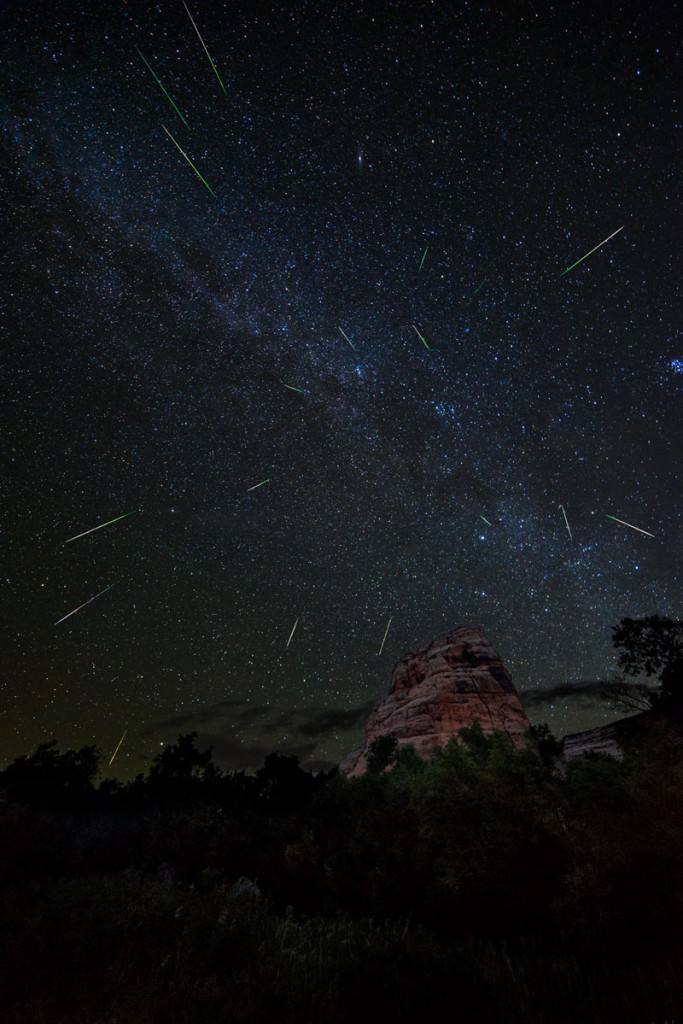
[(360, 301)]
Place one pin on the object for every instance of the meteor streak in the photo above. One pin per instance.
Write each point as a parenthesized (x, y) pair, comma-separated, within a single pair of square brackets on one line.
[(189, 162), (421, 338), (258, 485), (300, 390), (631, 525), (119, 746), (205, 49), (423, 259), (90, 601), (479, 287), (486, 521), (592, 251), (292, 633), (85, 534), (386, 633), (348, 339), (158, 81), (567, 524)]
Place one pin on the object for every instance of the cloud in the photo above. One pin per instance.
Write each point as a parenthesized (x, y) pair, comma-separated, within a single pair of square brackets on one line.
[(333, 719), (587, 692), (187, 719), (243, 734), (230, 753), (283, 721), (308, 721), (250, 714)]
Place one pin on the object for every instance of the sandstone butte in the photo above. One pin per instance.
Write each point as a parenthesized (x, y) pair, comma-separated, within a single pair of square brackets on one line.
[(441, 688)]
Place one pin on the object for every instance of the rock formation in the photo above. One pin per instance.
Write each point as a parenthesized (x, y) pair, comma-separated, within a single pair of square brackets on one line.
[(446, 686), (662, 728)]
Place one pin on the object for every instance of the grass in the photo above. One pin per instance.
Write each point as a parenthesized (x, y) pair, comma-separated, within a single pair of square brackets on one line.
[(128, 950)]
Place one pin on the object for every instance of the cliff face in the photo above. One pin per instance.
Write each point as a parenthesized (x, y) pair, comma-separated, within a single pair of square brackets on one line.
[(664, 729), (445, 686)]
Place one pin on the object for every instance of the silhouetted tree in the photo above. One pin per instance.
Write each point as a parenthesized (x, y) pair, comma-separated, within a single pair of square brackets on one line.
[(48, 775), (182, 764), (653, 646), (283, 784), (549, 747), (382, 753), (629, 696)]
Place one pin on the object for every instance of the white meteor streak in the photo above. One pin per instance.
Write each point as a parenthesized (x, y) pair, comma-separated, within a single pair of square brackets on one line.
[(292, 633), (348, 339), (205, 49), (119, 746), (386, 634), (108, 523), (90, 601), (567, 524), (630, 525), (592, 251)]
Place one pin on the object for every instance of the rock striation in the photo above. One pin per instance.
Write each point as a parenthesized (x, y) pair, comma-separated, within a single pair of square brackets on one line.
[(661, 728), (446, 686)]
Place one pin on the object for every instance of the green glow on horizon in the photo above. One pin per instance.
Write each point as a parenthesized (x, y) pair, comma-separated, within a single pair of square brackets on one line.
[(158, 81)]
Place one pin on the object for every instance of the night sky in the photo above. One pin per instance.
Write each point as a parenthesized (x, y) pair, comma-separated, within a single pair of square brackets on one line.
[(169, 343)]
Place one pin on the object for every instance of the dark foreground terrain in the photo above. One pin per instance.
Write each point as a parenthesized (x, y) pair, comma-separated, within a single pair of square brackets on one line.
[(480, 886)]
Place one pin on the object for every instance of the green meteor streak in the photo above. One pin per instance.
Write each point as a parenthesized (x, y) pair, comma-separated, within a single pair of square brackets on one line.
[(158, 81), (592, 251), (205, 49), (300, 390), (423, 259), (486, 521), (101, 526), (421, 338), (258, 485), (348, 339), (190, 162), (624, 523), (480, 286)]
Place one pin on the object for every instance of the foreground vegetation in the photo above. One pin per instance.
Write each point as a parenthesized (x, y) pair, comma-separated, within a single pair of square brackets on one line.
[(482, 884)]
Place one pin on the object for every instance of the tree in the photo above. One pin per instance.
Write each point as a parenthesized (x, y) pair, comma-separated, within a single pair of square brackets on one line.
[(382, 753), (653, 647), (48, 775), (408, 758), (629, 696), (283, 784), (549, 747), (183, 763)]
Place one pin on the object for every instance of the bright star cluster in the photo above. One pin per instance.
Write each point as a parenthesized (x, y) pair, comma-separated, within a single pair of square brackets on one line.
[(324, 349)]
